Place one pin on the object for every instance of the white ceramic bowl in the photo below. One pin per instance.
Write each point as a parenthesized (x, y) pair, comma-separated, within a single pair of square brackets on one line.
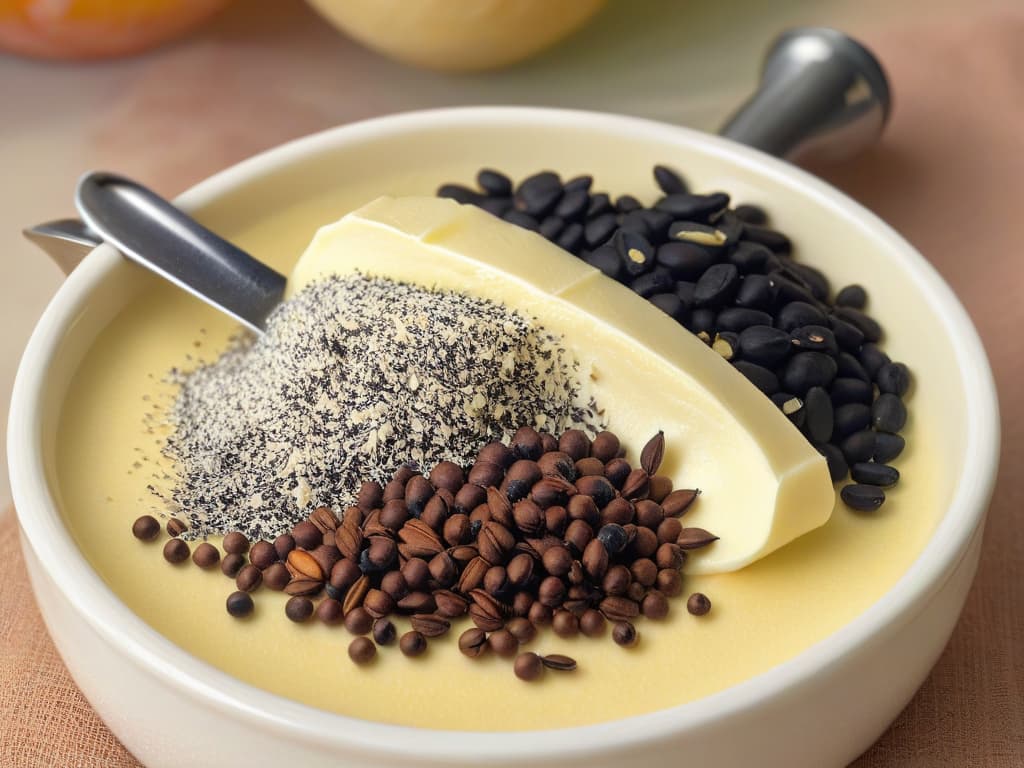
[(822, 707)]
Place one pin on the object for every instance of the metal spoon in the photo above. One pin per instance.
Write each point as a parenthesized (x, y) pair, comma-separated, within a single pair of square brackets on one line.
[(821, 94)]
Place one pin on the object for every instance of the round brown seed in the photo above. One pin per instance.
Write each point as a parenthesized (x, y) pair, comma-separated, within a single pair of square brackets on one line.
[(447, 475), (660, 487), (370, 496), (575, 443), (551, 591), (557, 560), (412, 643), (592, 623), (522, 629), (393, 583), (527, 443), (469, 497), (625, 634), (669, 555), (176, 551), (503, 643), (528, 666), (284, 544), (384, 632), (457, 529), (565, 624), (669, 582), (329, 611), (589, 467), (206, 555), (298, 608), (698, 604), (473, 642), (617, 470), (344, 574), (276, 577), (617, 580), (249, 578), (239, 604), (649, 514), (496, 453), (307, 535), (669, 530), (654, 605), (146, 528), (262, 555), (176, 527), (362, 650), (540, 614), (416, 574), (236, 543), (605, 446), (644, 571), (358, 621), (618, 511)]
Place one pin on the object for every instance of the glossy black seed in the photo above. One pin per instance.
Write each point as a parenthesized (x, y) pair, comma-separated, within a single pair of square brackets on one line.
[(814, 279), (797, 314), (808, 369), (850, 418), (599, 229), (600, 204), (893, 378), (613, 537), (887, 447), (846, 390), (730, 226), (635, 221), (790, 289), (684, 290), (868, 326), (756, 292), (627, 203), (792, 406), (656, 281), (497, 206), (815, 338), (888, 414), (579, 182), (872, 359), (494, 182), (751, 214), (726, 344), (818, 424), (859, 446), (573, 205), (686, 261), (837, 466), (658, 223), (850, 367), (847, 336), (636, 252), (537, 195), (759, 376), (852, 296), (705, 235), (717, 285), (865, 498), (669, 181), (775, 241), (670, 304), (551, 227), (765, 345), (871, 473), (738, 319), (750, 257), (458, 193), (702, 321), (693, 207), (520, 219), (571, 238)]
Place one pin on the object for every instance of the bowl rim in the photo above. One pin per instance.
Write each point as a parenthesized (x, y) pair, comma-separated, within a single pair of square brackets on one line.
[(53, 545)]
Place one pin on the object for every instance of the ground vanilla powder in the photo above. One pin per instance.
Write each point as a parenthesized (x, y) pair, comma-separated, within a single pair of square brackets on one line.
[(354, 377)]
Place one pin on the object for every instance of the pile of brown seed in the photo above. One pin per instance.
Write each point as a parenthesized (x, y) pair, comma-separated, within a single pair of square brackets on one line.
[(543, 531)]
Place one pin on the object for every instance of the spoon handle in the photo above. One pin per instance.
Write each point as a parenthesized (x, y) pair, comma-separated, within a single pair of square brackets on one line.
[(152, 232)]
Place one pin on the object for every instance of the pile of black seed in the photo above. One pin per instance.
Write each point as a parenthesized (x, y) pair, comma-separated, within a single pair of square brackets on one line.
[(733, 281)]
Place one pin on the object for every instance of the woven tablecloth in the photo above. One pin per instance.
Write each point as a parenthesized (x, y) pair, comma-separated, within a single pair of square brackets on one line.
[(949, 175)]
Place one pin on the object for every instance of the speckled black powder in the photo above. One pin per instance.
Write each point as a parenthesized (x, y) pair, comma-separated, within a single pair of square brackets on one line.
[(354, 377)]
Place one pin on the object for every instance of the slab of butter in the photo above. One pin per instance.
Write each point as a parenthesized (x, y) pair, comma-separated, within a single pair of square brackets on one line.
[(762, 484)]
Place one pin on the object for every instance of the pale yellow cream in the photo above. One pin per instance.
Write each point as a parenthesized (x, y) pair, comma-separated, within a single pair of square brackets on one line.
[(763, 614)]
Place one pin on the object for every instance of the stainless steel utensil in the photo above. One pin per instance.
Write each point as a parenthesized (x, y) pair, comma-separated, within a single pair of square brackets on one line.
[(822, 95)]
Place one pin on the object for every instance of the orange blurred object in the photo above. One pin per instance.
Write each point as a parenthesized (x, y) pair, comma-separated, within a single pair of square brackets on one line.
[(91, 29)]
